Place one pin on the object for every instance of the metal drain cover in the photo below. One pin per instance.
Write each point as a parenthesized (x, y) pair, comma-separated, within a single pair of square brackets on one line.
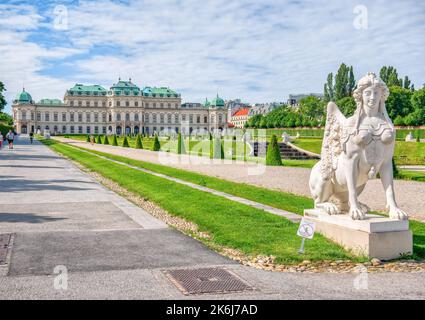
[(207, 280), (4, 247)]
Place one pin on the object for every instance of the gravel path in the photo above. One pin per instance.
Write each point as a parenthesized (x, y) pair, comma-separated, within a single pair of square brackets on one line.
[(288, 179)]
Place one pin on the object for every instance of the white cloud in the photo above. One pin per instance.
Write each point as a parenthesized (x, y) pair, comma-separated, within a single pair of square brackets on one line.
[(259, 51)]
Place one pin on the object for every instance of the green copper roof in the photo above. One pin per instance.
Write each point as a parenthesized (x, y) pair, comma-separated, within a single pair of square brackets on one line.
[(160, 92), (23, 97), (54, 102), (206, 103), (81, 89), (217, 102), (125, 88)]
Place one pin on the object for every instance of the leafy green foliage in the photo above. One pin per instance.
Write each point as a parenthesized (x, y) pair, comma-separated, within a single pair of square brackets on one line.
[(115, 141), (125, 142), (156, 144), (106, 140), (139, 144), (99, 139), (273, 157), (2, 98), (180, 145)]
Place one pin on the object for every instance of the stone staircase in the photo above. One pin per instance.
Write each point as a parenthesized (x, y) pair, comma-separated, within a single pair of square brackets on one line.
[(287, 151)]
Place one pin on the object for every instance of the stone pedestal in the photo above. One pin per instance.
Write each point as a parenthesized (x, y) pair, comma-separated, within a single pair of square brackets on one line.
[(375, 237)]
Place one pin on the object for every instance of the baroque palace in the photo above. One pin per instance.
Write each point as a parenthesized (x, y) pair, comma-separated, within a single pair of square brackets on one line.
[(124, 109)]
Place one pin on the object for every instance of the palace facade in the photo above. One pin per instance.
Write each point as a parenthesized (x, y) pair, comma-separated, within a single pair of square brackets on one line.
[(123, 109)]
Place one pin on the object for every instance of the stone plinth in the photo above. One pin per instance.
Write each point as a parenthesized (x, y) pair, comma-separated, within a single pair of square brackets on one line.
[(375, 237)]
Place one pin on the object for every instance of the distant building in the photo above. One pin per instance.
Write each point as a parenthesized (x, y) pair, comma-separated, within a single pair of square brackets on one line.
[(123, 109), (294, 99), (240, 118), (264, 108), (233, 106)]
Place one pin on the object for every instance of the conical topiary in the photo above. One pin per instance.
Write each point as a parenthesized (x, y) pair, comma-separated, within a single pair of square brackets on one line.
[(115, 141), (217, 150), (273, 157), (156, 144), (99, 139), (396, 173), (125, 142), (139, 144), (106, 140), (88, 138), (180, 145)]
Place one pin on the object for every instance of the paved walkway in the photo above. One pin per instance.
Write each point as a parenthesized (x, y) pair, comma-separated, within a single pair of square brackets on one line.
[(112, 249), (288, 179)]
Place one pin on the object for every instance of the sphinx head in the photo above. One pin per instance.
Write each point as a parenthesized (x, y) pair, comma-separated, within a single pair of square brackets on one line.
[(371, 92)]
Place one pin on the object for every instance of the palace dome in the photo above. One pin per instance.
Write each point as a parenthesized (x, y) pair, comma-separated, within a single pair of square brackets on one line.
[(217, 102), (23, 97)]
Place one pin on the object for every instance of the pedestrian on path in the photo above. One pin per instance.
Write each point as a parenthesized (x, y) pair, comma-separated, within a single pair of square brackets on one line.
[(10, 137), (92, 139), (1, 140), (31, 137)]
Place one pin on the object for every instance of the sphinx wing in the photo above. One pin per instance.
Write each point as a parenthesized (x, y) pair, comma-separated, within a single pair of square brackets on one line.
[(332, 145)]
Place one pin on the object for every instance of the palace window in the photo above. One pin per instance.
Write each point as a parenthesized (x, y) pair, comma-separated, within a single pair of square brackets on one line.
[(71, 118), (161, 117), (154, 118), (136, 117), (136, 103), (80, 103), (38, 116), (104, 130), (110, 103), (96, 117), (154, 104), (103, 104), (63, 129), (110, 117), (80, 117), (176, 118), (47, 116), (183, 117), (205, 119), (71, 103), (118, 116), (96, 129), (80, 129), (127, 117), (24, 115), (191, 118), (127, 103), (169, 105), (32, 116), (162, 105), (87, 117), (118, 103), (87, 103), (63, 117), (55, 117), (72, 129), (198, 119), (96, 104), (220, 118), (87, 129), (169, 118), (103, 117)]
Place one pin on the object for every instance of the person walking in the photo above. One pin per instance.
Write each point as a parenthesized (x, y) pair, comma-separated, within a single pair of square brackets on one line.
[(31, 137), (10, 137), (1, 140)]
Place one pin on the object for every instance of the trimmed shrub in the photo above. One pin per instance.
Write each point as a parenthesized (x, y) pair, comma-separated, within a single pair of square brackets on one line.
[(99, 139), (418, 136), (156, 144), (125, 142), (217, 149), (180, 145), (115, 141), (106, 140), (273, 157), (396, 173), (88, 138), (139, 144)]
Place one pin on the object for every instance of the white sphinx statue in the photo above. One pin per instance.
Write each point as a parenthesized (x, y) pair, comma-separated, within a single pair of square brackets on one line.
[(354, 150)]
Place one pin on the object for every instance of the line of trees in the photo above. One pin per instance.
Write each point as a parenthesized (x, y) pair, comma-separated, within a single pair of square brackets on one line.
[(405, 105)]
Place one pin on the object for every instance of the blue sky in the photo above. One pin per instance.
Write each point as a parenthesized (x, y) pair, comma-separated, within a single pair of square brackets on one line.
[(259, 51)]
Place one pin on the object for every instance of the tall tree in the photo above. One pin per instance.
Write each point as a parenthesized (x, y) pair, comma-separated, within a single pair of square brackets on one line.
[(329, 88), (341, 82), (351, 81), (2, 99)]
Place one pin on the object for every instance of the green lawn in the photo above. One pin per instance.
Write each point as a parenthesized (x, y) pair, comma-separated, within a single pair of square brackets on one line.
[(405, 153), (229, 223), (273, 198)]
